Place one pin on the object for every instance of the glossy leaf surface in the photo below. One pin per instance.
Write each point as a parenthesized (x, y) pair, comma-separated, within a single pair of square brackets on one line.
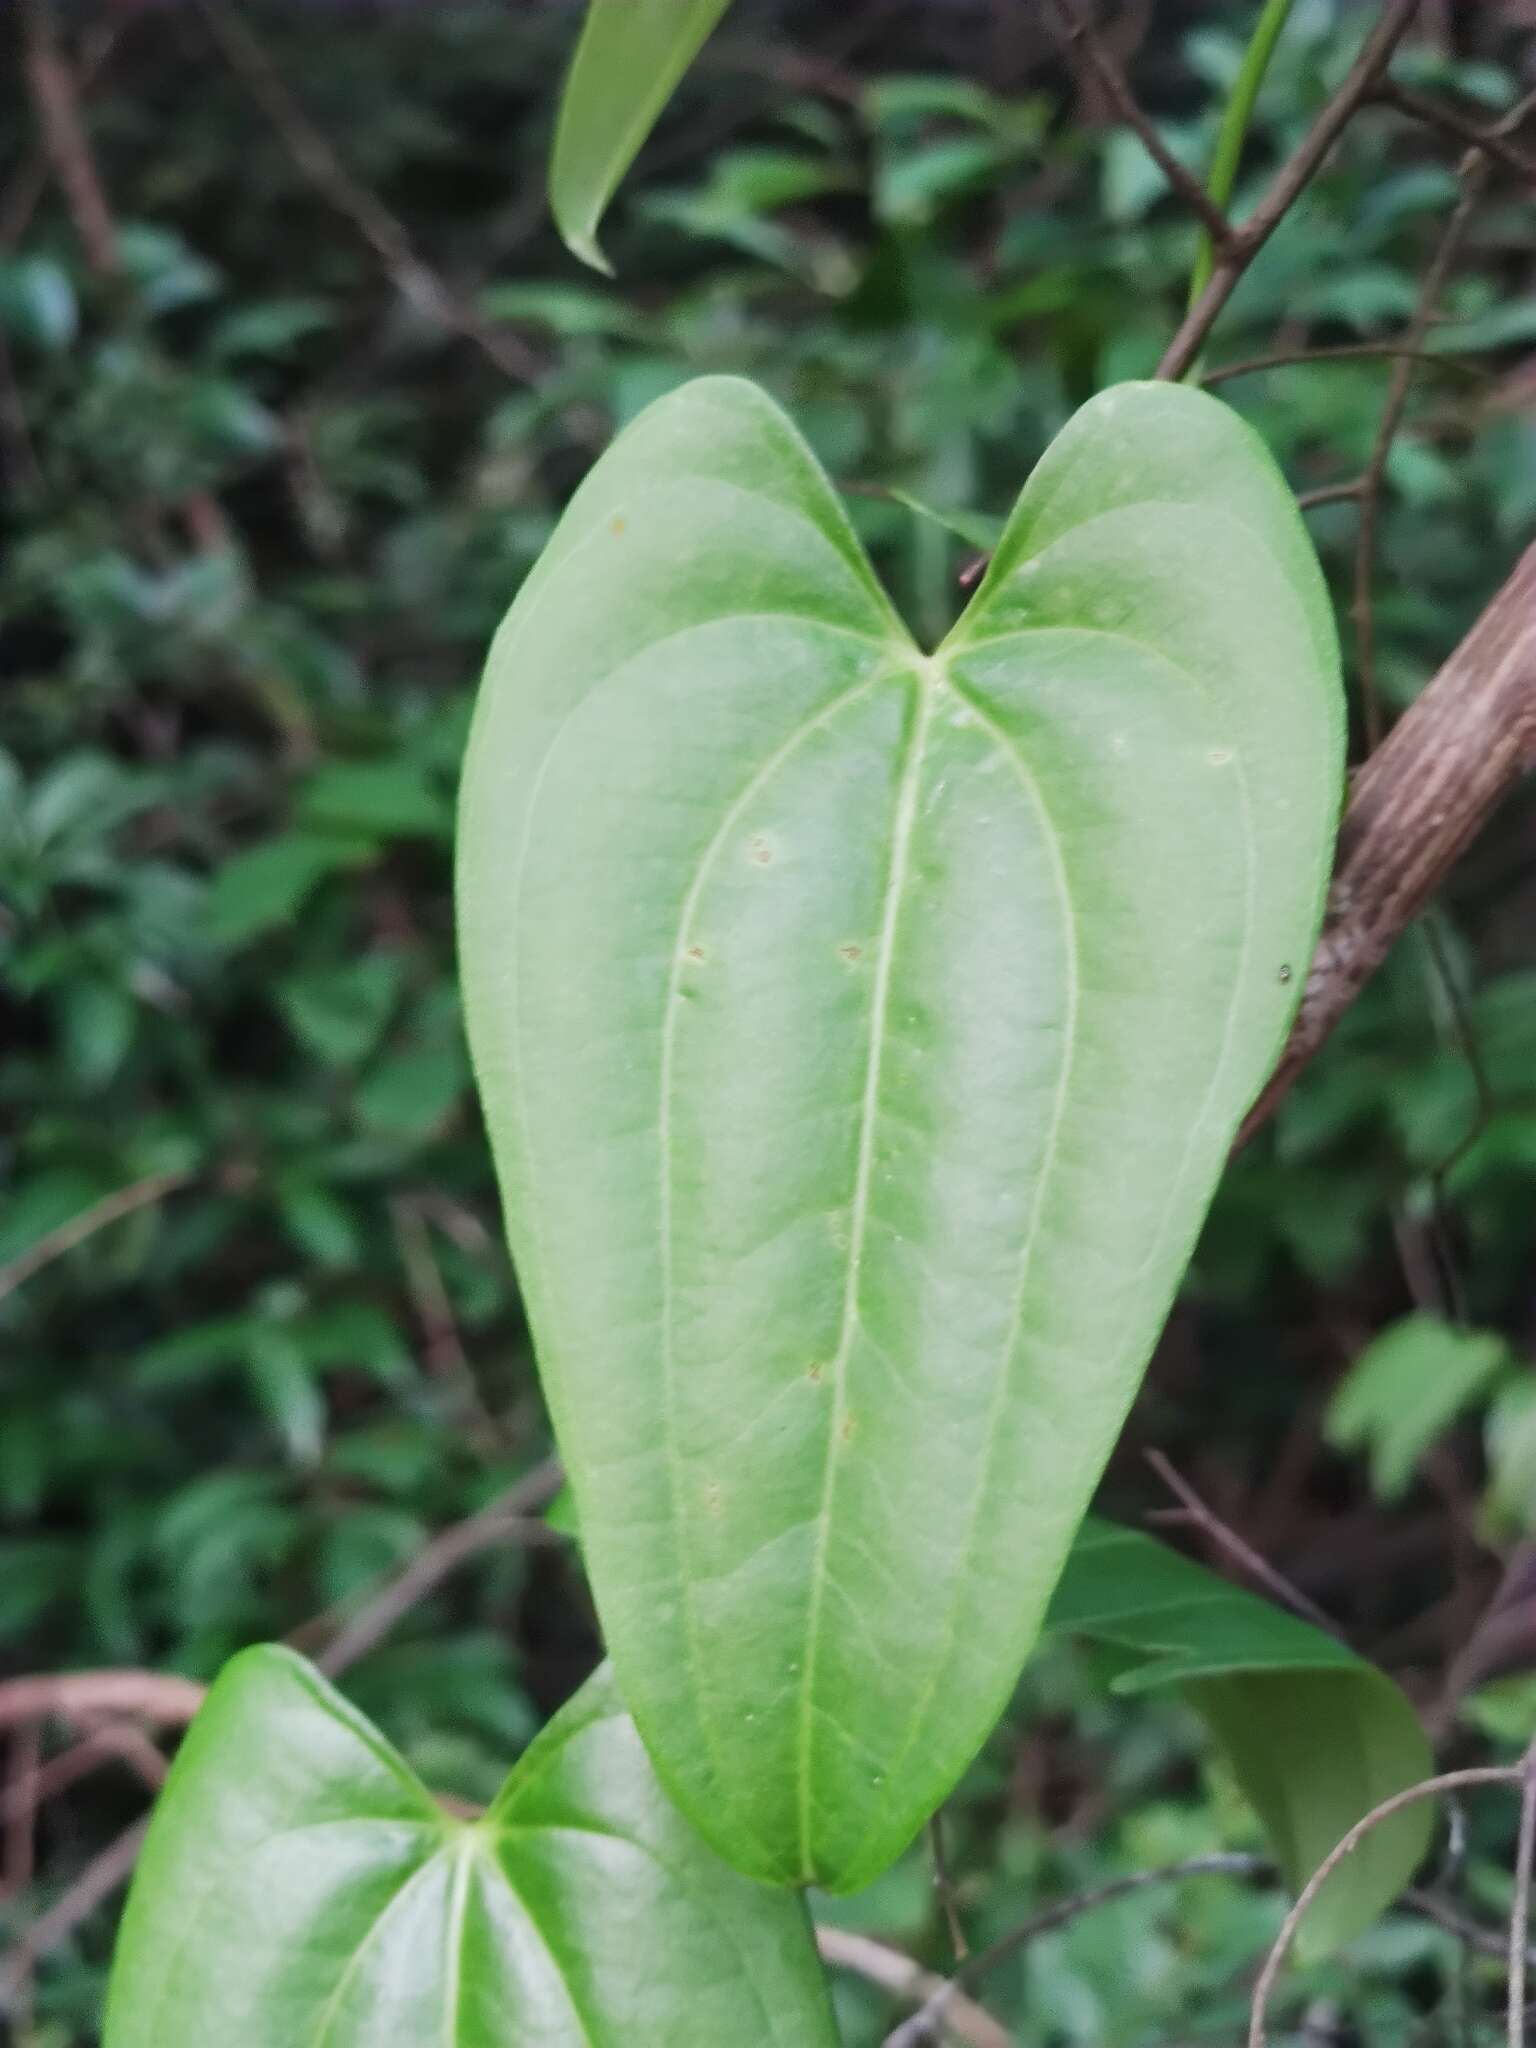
[(1316, 1735), (861, 1033), (631, 55), (300, 1888)]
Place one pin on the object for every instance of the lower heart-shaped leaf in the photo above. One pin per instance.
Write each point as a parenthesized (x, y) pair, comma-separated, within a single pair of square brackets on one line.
[(300, 1888), (861, 1033), (1316, 1736)]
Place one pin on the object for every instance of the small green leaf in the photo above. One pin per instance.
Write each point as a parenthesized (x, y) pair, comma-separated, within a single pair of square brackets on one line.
[(1316, 1735), (382, 799), (1406, 1389), (631, 55), (339, 1011), (861, 1032), (300, 1888), (265, 887)]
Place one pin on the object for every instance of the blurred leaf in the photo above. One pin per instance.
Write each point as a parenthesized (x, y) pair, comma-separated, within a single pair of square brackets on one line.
[(1405, 1390), (1316, 1736), (37, 302), (628, 62), (340, 1011), (268, 885)]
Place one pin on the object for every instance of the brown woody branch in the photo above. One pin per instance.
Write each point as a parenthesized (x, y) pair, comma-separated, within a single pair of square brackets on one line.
[(1078, 33), (321, 165), (1416, 804), (63, 138), (1247, 239), (76, 1695)]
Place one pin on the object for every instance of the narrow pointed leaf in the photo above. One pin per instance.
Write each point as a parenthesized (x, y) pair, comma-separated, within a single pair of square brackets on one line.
[(1315, 1734), (300, 1888), (861, 1033), (627, 65)]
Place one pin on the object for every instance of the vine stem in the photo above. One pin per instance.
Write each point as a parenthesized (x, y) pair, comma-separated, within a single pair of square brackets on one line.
[(1520, 1915), (1233, 133), (1431, 1788)]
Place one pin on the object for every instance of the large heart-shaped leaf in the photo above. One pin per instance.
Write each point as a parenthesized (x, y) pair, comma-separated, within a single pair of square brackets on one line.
[(861, 1033), (300, 1888), (627, 64), (1316, 1735)]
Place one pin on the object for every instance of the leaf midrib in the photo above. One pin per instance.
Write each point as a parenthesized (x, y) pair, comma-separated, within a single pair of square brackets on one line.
[(904, 820)]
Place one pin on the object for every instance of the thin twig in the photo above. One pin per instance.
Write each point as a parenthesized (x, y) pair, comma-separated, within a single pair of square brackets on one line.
[(1431, 1788), (1520, 1914), (1078, 32), (100, 1878), (944, 1889), (28, 182), (53, 1244), (74, 1695), (888, 1969), (1435, 115), (1486, 1941), (116, 1742), (1341, 352), (511, 1519), (446, 1356), (65, 142), (1472, 174), (1249, 237), (920, 2030), (1226, 1538), (1330, 494), (321, 166), (18, 1808)]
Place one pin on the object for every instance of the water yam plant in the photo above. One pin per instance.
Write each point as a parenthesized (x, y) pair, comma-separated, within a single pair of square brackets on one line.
[(863, 1018)]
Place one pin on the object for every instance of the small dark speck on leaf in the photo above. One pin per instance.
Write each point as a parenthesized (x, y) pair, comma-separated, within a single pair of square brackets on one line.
[(1285, 972), (849, 1429), (760, 850), (697, 953), (851, 952), (816, 1374)]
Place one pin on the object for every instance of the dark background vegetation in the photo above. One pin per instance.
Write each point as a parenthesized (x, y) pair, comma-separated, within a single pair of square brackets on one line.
[(277, 452)]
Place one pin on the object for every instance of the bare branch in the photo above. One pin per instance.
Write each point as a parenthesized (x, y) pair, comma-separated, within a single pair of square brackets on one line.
[(1330, 494), (1204, 1517), (944, 1889), (1341, 352), (1249, 237), (506, 1521), (1077, 31), (98, 1881), (64, 139), (1520, 1914), (53, 1244), (321, 166), (1472, 175), (920, 2030), (964, 2020), (154, 1695), (1436, 115), (446, 1357), (1414, 806), (1431, 1788), (117, 1741)]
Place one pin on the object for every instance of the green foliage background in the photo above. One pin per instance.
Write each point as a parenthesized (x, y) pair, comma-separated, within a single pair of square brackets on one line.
[(263, 510)]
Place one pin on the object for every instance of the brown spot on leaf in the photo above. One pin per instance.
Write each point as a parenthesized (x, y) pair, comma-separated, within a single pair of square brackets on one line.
[(851, 952)]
